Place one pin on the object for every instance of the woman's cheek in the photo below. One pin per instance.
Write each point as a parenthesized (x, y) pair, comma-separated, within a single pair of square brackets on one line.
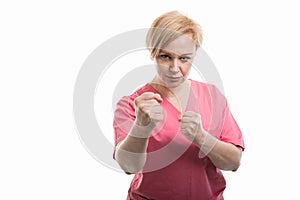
[(186, 70)]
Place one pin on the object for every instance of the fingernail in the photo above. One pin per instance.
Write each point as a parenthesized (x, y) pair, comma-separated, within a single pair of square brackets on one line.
[(180, 117)]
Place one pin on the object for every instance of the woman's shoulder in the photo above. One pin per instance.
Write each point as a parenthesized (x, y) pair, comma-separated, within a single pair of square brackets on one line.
[(202, 85), (208, 89), (140, 90), (144, 88), (208, 92)]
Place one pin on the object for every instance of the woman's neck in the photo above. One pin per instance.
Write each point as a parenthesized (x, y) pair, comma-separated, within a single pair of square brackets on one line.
[(167, 91)]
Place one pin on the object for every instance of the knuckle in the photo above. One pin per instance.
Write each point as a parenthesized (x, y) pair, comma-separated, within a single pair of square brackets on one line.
[(141, 107), (147, 94), (153, 102), (136, 100)]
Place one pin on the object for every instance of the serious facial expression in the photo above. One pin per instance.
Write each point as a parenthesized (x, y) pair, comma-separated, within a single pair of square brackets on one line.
[(174, 61)]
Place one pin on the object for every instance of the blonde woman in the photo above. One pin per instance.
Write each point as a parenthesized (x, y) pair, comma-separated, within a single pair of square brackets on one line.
[(176, 134)]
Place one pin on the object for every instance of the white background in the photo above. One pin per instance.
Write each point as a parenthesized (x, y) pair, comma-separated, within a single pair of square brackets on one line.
[(254, 45)]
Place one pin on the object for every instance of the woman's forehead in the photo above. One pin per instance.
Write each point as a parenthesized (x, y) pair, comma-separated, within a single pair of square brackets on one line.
[(182, 45)]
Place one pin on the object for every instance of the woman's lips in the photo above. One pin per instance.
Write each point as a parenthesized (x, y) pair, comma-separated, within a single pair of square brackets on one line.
[(173, 77)]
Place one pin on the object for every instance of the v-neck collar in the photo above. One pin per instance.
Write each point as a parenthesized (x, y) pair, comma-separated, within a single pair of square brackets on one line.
[(168, 102)]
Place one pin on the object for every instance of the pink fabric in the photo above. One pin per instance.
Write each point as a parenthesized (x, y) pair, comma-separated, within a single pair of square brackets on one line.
[(174, 169)]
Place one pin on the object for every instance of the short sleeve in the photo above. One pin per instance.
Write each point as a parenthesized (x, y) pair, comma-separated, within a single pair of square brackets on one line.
[(124, 117), (228, 129), (231, 132)]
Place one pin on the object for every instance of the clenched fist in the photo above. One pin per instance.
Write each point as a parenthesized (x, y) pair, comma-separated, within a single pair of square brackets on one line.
[(148, 109), (191, 127)]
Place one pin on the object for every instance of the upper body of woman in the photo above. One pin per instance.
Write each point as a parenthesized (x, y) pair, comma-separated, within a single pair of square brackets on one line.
[(176, 134)]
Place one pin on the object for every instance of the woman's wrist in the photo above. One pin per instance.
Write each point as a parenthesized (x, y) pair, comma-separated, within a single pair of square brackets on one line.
[(141, 131), (207, 143)]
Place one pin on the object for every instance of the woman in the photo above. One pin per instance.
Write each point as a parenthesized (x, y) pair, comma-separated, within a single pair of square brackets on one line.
[(176, 134)]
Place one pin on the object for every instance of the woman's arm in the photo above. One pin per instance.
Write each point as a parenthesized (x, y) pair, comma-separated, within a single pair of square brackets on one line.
[(225, 156), (131, 152)]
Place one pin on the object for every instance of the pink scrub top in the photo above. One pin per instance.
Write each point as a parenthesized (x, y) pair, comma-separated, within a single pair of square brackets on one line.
[(175, 168)]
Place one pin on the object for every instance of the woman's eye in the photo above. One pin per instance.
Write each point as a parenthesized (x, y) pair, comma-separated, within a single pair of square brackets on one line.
[(185, 58), (165, 57)]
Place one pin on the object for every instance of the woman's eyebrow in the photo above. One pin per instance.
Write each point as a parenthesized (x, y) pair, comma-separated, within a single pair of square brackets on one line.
[(171, 53), (187, 54)]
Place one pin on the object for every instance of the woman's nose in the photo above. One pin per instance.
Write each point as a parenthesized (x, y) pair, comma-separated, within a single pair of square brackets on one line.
[(174, 66)]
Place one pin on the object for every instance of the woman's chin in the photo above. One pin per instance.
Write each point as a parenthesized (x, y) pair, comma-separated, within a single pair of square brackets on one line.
[(173, 84)]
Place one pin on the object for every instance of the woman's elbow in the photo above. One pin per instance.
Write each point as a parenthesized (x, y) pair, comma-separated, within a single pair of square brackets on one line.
[(237, 160), (235, 166), (130, 164), (233, 162)]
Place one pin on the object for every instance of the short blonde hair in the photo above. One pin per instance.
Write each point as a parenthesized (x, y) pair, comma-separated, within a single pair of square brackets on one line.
[(168, 27)]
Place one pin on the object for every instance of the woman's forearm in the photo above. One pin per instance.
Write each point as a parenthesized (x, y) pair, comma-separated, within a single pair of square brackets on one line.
[(225, 156), (131, 152)]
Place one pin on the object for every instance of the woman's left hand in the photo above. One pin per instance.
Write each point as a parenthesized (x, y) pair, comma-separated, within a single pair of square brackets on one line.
[(191, 127)]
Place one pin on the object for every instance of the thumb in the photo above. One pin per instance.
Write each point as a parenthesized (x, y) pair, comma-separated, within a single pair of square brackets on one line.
[(158, 97)]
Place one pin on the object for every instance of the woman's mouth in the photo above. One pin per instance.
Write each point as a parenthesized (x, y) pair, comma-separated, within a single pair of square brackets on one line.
[(174, 77)]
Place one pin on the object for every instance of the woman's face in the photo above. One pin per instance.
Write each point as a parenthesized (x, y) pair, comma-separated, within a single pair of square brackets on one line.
[(174, 61)]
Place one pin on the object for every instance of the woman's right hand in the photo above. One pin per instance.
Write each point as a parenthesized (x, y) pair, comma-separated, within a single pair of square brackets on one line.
[(148, 109)]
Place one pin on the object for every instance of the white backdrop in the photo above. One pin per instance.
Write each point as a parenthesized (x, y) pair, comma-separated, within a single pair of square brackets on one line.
[(254, 45)]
